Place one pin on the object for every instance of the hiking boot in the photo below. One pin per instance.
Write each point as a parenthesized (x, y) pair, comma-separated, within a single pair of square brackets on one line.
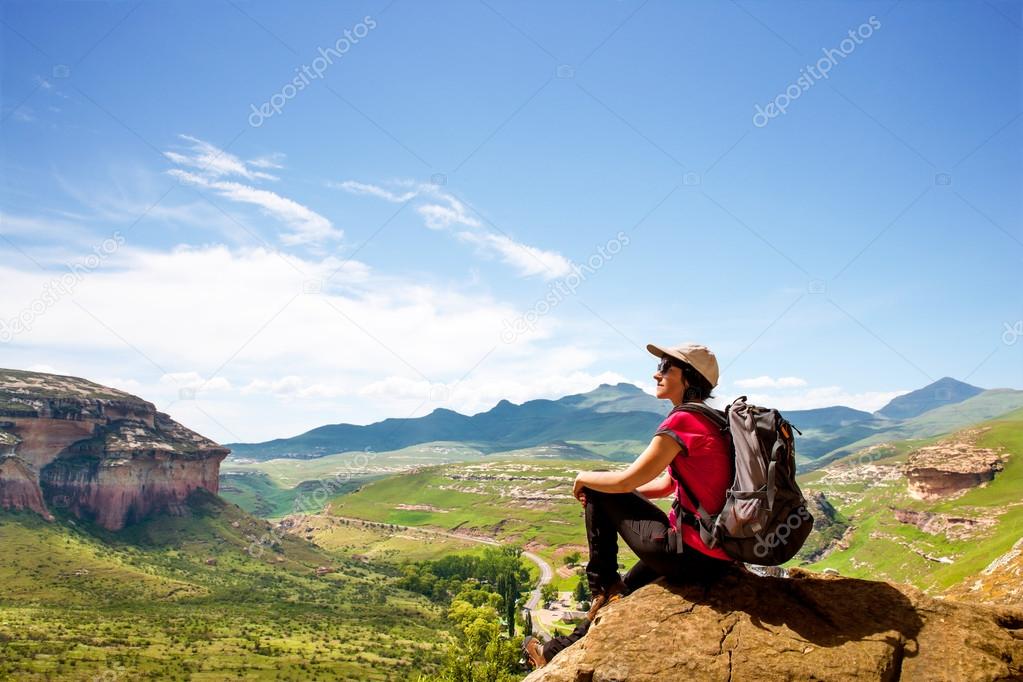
[(534, 652), (605, 597)]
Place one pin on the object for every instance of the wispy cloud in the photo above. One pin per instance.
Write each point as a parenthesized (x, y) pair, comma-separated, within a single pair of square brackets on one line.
[(274, 160), (213, 162), (194, 381), (441, 210), (825, 396), (528, 260), (770, 382), (444, 215), (211, 168), (374, 191)]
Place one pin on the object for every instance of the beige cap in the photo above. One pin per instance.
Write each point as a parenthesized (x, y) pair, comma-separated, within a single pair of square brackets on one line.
[(699, 356)]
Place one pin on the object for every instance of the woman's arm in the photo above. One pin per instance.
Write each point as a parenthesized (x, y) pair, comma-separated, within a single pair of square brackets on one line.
[(647, 466), (662, 486)]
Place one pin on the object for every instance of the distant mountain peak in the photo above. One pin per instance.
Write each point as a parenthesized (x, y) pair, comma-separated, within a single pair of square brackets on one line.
[(944, 391), (622, 386)]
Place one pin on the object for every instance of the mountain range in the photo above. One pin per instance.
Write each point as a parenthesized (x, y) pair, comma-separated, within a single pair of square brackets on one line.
[(627, 415)]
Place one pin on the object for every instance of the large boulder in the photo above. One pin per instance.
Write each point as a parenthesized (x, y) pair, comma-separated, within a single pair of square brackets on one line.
[(804, 627)]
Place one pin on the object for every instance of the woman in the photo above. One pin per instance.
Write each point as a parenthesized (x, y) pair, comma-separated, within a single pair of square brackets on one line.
[(616, 502)]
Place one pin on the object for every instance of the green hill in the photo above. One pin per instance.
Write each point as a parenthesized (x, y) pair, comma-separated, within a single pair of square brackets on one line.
[(516, 500), (278, 487), (940, 542), (193, 597), (940, 420)]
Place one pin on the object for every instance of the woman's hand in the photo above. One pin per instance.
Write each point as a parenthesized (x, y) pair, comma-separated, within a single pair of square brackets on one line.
[(578, 491)]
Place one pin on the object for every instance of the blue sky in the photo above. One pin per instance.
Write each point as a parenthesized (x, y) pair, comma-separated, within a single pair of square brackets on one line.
[(465, 202)]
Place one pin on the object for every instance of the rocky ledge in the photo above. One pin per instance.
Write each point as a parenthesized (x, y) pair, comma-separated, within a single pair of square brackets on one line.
[(951, 468), (1001, 582), (805, 627), (98, 452)]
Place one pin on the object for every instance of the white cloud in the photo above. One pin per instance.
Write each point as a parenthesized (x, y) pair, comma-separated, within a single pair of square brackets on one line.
[(195, 381), (482, 390), (274, 161), (40, 367), (443, 211), (171, 320), (769, 382), (306, 225), (825, 396), (443, 216), (528, 260), (213, 162), (373, 190), (293, 386), (212, 166)]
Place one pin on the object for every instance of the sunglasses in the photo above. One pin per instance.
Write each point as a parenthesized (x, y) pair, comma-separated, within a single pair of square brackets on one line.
[(666, 364)]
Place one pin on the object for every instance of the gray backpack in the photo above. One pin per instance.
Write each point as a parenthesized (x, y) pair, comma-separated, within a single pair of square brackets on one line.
[(765, 520)]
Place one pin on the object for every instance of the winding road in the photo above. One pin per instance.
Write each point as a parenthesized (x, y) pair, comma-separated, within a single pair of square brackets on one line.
[(546, 572)]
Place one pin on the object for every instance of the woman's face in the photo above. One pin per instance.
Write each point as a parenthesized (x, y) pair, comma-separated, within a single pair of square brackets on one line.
[(670, 384)]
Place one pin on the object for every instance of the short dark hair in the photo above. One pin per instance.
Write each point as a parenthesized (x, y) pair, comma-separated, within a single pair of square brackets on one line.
[(698, 387)]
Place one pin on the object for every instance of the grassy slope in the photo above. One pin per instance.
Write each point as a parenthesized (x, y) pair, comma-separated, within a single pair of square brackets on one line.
[(257, 493), (277, 487), (883, 547), (984, 406), (480, 507), (78, 602), (269, 489), (385, 546)]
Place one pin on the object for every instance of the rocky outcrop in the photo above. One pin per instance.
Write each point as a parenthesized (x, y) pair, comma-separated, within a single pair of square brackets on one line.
[(100, 453), (954, 527), (805, 627), (1001, 582), (951, 467), (829, 528)]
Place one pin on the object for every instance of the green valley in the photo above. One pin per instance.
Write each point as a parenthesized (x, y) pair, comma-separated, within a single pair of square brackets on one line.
[(199, 597)]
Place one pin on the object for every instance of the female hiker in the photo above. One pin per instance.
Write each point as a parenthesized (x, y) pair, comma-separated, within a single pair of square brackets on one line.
[(616, 503)]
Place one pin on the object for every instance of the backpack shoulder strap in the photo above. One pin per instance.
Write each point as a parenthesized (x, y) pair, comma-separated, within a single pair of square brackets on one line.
[(719, 418), (702, 516)]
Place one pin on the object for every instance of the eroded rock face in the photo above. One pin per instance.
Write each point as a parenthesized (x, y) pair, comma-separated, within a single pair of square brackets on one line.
[(952, 526), (950, 468), (806, 627), (101, 453), (1001, 582)]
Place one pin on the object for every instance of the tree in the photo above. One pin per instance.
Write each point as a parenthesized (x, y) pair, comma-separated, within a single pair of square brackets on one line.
[(571, 558), (548, 593), (480, 653), (582, 593)]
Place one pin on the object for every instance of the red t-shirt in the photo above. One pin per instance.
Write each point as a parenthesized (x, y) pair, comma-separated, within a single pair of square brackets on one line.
[(706, 468)]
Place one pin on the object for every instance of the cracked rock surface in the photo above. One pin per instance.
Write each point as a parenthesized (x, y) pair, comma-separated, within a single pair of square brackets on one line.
[(805, 627)]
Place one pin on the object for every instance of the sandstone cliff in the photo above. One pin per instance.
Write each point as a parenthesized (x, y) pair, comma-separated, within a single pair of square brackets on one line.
[(805, 627), (100, 453), (951, 467)]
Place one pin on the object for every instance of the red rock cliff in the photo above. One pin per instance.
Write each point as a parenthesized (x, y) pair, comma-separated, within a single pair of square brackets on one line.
[(103, 454)]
